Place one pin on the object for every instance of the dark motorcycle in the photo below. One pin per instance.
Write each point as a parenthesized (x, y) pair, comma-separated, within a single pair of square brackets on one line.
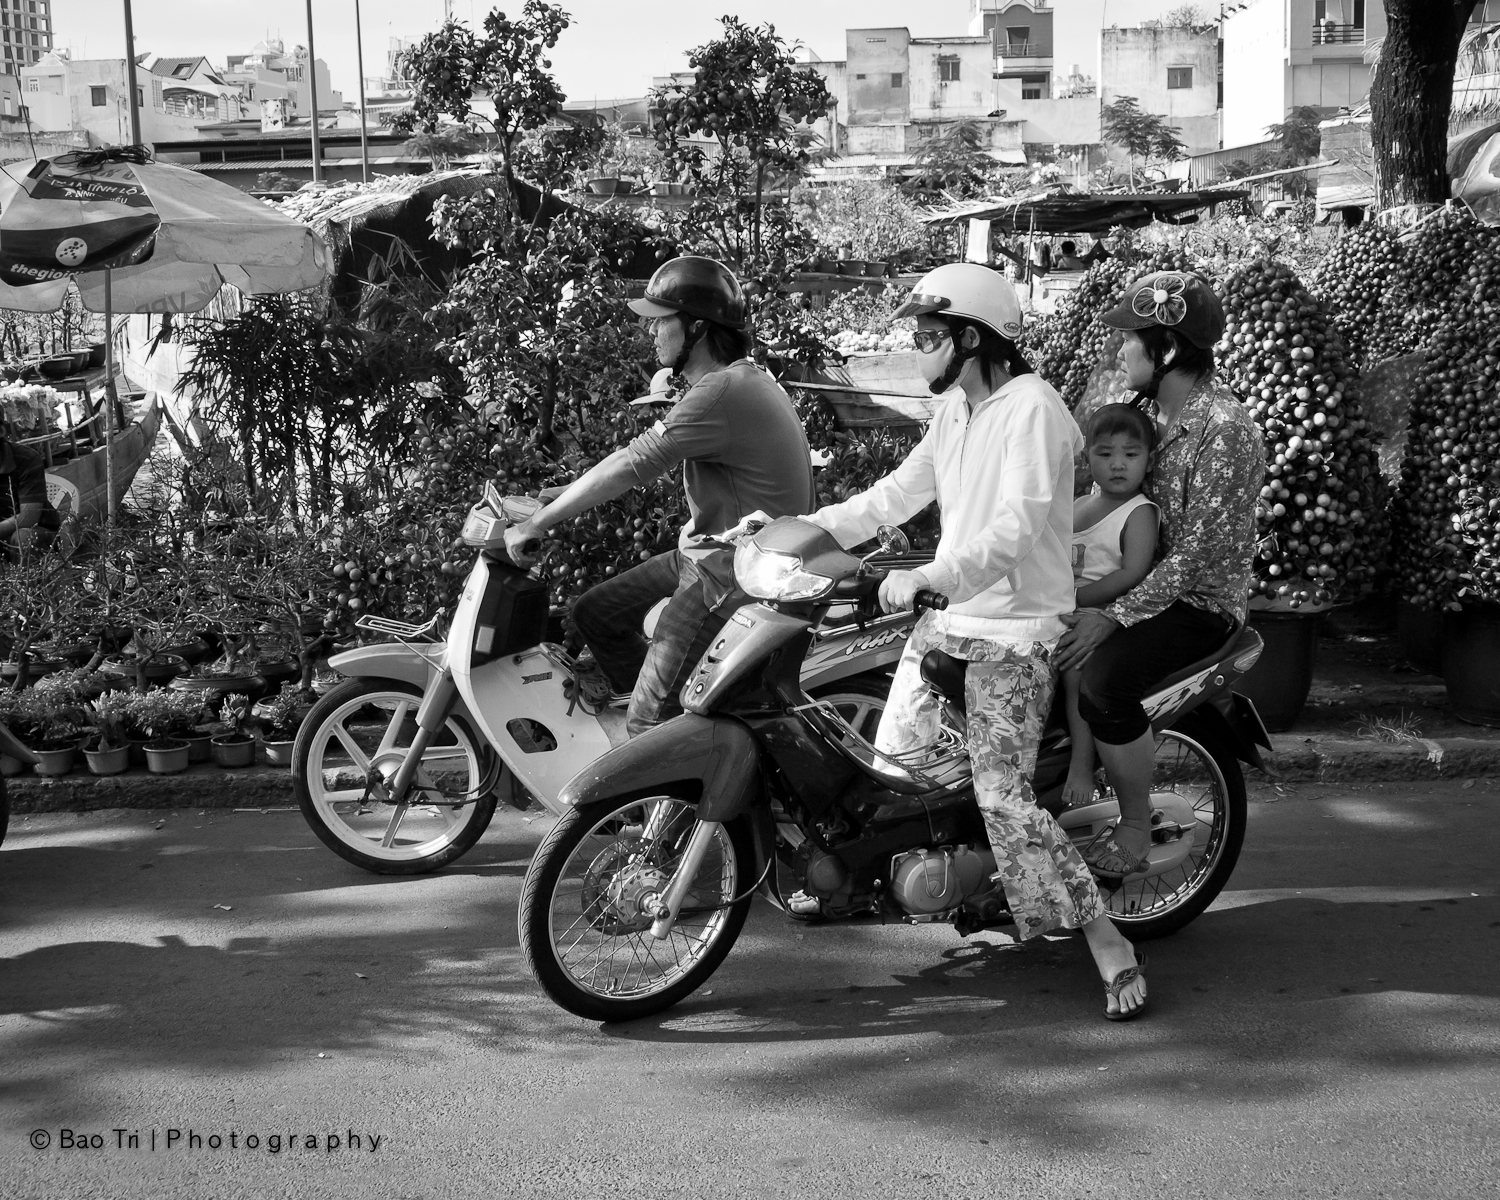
[(14, 749), (642, 886)]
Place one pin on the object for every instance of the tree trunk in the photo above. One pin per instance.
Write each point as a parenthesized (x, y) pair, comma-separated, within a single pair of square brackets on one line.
[(1411, 96)]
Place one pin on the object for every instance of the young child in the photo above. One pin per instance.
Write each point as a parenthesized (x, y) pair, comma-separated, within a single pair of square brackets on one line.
[(1114, 542)]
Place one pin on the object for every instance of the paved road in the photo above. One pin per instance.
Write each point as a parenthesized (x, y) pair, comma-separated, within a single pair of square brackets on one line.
[(1331, 1028)]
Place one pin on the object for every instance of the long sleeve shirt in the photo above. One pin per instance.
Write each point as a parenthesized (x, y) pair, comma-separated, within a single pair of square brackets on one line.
[(23, 487), (1002, 476), (1209, 469)]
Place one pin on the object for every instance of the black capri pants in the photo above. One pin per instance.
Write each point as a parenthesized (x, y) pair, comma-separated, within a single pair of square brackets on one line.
[(1133, 659)]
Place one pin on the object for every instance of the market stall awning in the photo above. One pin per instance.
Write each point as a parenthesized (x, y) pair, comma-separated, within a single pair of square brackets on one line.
[(1085, 213)]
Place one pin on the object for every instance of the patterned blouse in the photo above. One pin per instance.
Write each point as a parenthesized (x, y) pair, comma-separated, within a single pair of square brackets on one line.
[(1209, 470)]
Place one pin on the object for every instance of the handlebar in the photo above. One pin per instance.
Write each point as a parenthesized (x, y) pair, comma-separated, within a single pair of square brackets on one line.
[(926, 599)]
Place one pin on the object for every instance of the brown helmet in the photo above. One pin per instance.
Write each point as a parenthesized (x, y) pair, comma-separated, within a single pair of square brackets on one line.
[(695, 287)]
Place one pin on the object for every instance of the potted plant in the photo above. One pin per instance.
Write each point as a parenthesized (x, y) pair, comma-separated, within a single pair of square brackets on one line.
[(18, 713), (160, 714), (282, 716), (58, 738), (235, 748), (108, 751)]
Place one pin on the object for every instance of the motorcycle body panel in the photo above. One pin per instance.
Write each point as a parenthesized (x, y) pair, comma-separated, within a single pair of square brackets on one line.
[(712, 759), (517, 703), (843, 652)]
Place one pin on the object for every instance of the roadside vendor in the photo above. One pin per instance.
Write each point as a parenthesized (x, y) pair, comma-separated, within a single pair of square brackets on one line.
[(1068, 258), (27, 517)]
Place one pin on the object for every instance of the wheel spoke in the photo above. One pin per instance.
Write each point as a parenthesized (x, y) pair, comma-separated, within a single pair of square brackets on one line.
[(389, 838), (393, 729), (351, 747)]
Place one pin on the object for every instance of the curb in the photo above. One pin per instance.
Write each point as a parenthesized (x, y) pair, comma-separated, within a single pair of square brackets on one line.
[(1296, 758), (203, 786), (1299, 757)]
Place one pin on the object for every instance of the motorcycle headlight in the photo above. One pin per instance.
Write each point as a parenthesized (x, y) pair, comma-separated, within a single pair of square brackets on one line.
[(770, 576)]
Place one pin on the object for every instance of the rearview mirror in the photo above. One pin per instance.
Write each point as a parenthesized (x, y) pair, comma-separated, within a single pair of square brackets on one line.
[(892, 540)]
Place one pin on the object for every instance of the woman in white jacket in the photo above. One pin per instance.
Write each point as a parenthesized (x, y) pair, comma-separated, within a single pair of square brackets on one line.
[(998, 459)]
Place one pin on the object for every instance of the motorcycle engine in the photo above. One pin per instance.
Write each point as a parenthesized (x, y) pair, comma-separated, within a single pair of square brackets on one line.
[(933, 881)]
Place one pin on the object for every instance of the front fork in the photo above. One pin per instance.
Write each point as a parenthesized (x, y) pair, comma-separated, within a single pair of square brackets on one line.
[(670, 904), (438, 702)]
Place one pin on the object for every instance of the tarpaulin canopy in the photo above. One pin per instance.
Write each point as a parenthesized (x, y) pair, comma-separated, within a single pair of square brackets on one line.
[(1086, 213), (169, 237), (1474, 172)]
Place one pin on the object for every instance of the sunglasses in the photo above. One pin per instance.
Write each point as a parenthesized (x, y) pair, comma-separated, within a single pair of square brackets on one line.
[(928, 340)]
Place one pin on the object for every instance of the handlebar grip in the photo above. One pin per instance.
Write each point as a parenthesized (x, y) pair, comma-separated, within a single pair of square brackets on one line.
[(926, 599)]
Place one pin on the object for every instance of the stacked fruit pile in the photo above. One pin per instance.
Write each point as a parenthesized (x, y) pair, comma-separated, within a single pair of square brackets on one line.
[(1448, 501), (1437, 267), (1354, 280), (1319, 523)]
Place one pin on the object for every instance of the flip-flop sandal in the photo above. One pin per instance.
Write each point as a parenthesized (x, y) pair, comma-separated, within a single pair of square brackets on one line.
[(1115, 986), (1105, 856)]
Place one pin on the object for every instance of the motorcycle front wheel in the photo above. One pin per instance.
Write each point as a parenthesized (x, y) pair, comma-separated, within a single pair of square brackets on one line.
[(356, 736), (584, 920)]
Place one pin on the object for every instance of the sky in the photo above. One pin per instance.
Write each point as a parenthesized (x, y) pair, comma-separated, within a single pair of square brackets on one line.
[(612, 50)]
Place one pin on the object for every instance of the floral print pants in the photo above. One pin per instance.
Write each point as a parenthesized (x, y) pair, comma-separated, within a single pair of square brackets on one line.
[(1007, 692)]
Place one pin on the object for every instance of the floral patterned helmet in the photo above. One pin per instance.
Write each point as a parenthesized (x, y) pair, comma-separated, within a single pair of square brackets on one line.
[(1177, 300)]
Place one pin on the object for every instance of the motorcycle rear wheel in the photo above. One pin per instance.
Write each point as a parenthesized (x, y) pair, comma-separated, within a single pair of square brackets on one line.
[(363, 719), (581, 931), (1204, 771)]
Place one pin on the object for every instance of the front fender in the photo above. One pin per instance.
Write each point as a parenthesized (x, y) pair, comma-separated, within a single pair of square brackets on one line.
[(392, 660), (711, 759)]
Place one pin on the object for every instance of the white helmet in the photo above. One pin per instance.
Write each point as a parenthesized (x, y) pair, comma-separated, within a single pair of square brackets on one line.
[(967, 290)]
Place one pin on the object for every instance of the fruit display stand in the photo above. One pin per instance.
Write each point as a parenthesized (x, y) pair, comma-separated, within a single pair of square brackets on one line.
[(1446, 515)]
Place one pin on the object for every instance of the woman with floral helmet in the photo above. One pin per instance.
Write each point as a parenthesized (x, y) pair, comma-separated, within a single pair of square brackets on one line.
[(1206, 478), (997, 458)]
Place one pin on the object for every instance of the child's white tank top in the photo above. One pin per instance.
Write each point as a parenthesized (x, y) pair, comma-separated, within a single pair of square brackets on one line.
[(1096, 550)]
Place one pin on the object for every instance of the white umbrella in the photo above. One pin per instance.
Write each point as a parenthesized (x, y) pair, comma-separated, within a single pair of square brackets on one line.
[(136, 236)]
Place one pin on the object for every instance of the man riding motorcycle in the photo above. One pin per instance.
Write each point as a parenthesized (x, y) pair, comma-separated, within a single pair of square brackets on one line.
[(743, 450)]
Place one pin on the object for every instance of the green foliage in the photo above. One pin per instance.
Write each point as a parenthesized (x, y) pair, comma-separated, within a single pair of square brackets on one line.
[(508, 65), (1142, 135), (866, 218), (954, 162)]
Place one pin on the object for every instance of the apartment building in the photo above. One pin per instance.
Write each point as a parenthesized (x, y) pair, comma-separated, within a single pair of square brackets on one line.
[(1172, 72), (278, 85), (25, 32), (1283, 54), (91, 96)]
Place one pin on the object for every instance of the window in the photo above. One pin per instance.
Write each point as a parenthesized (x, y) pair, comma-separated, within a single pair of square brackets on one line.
[(33, 84), (1033, 87), (859, 77), (1320, 11), (1016, 38), (140, 97), (1179, 77), (1359, 14), (897, 79), (96, 97), (948, 69)]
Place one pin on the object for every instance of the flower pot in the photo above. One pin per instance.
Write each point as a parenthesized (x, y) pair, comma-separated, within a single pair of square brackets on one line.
[(827, 266), (192, 652), (1471, 663), (606, 186), (96, 355), (215, 688), (661, 188), (39, 667), (876, 270), (167, 756), (286, 670), (231, 750), (54, 759), (1279, 682), (851, 266), (108, 762), (11, 766), (1420, 631), (200, 746), (278, 753), (161, 669)]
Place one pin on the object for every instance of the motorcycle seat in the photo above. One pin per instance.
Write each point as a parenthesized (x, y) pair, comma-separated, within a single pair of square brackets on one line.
[(945, 675), (1242, 638)]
